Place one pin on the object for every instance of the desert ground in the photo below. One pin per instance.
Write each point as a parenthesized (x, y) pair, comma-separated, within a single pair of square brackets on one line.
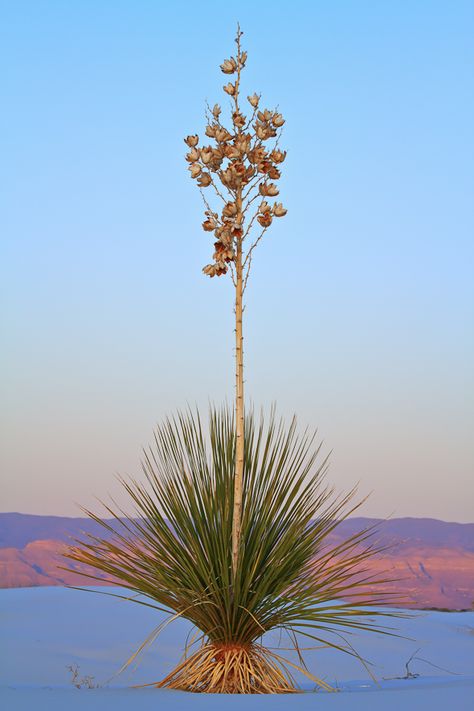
[(46, 630)]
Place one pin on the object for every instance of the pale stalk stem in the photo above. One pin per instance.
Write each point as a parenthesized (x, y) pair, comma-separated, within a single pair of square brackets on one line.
[(232, 274), (239, 411), (254, 113), (249, 253), (247, 207), (255, 197), (253, 185), (247, 276), (217, 190), (208, 206), (237, 83), (248, 259), (239, 368), (247, 231)]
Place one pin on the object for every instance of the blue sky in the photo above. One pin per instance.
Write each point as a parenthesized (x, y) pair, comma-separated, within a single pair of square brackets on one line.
[(359, 309)]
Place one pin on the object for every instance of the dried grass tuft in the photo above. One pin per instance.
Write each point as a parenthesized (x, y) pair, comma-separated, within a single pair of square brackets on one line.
[(231, 669)]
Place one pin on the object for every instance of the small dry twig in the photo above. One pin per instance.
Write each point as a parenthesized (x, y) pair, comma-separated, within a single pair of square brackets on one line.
[(81, 682)]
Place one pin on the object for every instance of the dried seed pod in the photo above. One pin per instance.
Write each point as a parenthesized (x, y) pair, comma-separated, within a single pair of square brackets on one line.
[(264, 115), (265, 220), (229, 66), (257, 155), (210, 270), (249, 173), (204, 180), (253, 100), (278, 120), (238, 119), (191, 141), (211, 130), (211, 223), (229, 89), (269, 189), (274, 173), (279, 210), (206, 154), (223, 253), (278, 156), (222, 135), (221, 268), (232, 152), (243, 142), (230, 209), (193, 155), (215, 163), (264, 166), (195, 169)]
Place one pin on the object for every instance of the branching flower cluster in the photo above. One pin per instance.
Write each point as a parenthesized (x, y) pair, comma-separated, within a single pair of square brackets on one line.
[(240, 166)]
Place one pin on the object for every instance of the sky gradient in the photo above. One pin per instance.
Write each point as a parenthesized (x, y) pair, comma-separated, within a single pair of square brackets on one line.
[(360, 303)]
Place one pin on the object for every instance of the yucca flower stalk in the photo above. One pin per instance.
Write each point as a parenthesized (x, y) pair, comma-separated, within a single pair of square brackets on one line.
[(239, 168), (174, 551)]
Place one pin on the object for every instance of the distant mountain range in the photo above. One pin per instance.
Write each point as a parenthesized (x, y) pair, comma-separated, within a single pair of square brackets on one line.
[(432, 560)]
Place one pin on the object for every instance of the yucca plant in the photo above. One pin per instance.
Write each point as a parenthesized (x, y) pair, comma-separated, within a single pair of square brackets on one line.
[(230, 529), (175, 551)]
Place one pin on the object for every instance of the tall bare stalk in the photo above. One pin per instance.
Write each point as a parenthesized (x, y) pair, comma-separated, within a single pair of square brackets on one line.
[(239, 351), (238, 168), (239, 410)]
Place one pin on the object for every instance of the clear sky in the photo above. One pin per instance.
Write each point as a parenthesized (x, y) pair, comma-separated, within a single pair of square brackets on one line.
[(359, 310)]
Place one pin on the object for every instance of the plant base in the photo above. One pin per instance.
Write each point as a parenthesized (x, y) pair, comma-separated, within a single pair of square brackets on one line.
[(231, 669)]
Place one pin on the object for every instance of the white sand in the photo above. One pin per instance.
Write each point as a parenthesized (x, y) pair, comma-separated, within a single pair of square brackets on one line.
[(43, 630)]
